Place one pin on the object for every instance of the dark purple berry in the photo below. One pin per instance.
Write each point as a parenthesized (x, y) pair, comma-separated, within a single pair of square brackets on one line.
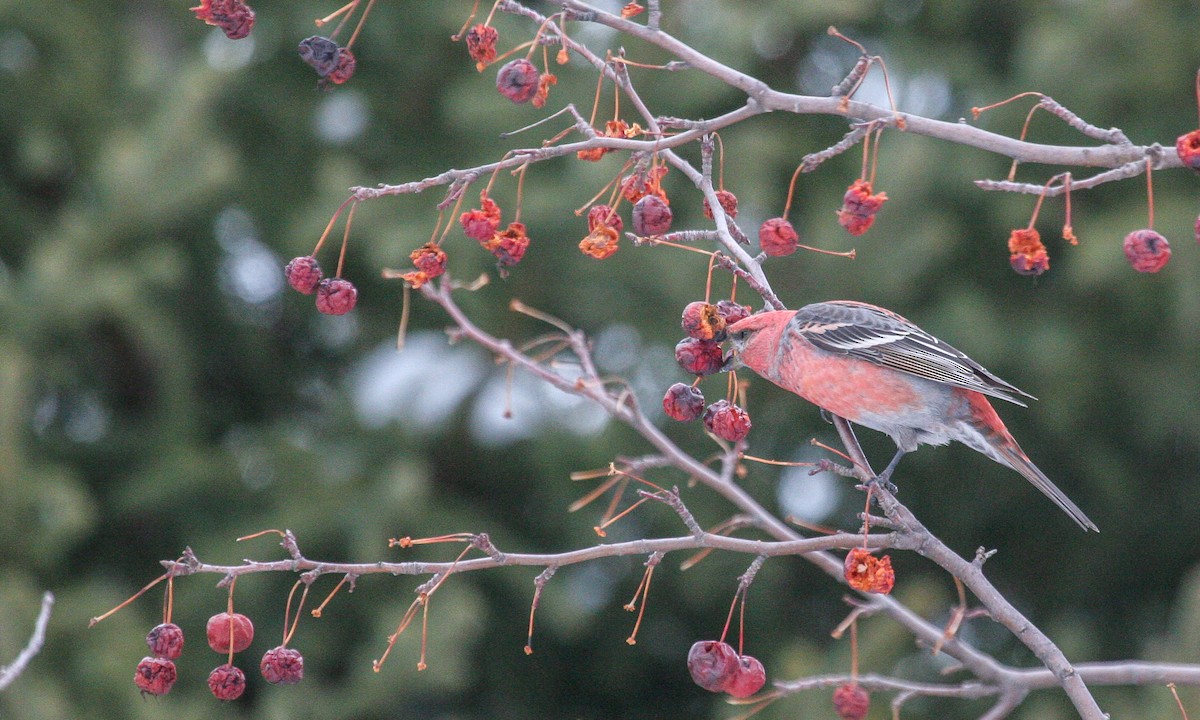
[(518, 81), (683, 402), (651, 216), (732, 312)]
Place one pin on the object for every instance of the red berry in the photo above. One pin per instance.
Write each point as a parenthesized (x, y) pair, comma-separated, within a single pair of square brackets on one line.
[(867, 573), (518, 81), (481, 44), (727, 421), (777, 237), (702, 320), (227, 682), (165, 641), (603, 215), (155, 675), (303, 274), (851, 702), (218, 632), (732, 312), (344, 69), (319, 52), (481, 224), (601, 242), (1197, 228), (430, 259), (748, 679), (699, 357), (1188, 149), (683, 402), (282, 666), (509, 246), (728, 203), (336, 296), (859, 207), (1028, 254), (234, 17), (1147, 251), (651, 216), (712, 664)]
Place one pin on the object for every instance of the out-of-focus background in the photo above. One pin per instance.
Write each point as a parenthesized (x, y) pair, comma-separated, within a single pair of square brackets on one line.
[(161, 388)]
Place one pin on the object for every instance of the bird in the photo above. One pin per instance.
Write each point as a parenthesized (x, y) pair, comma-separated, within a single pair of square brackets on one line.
[(874, 368)]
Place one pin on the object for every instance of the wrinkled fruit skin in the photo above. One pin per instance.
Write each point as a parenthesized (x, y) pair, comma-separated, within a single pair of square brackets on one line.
[(234, 17), (1187, 147), (699, 357), (851, 702), (603, 215), (732, 312), (651, 216), (336, 296), (155, 675), (165, 641), (1028, 253), (1147, 251), (430, 259), (683, 402), (344, 69), (227, 682), (282, 666), (863, 571), (518, 81), (859, 206), (712, 664), (600, 243), (728, 201), (303, 274), (703, 321), (777, 237), (1032, 264), (749, 678), (481, 44), (320, 53), (218, 632), (727, 421)]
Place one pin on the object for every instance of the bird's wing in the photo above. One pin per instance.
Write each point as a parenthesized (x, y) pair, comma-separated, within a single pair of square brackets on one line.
[(882, 337)]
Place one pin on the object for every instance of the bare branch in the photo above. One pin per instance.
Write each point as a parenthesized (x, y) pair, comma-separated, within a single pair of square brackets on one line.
[(10, 672)]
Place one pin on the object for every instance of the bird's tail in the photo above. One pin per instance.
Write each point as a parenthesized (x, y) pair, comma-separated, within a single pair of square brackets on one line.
[(994, 440)]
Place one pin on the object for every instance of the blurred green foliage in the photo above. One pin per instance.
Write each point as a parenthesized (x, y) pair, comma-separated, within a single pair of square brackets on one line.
[(158, 389)]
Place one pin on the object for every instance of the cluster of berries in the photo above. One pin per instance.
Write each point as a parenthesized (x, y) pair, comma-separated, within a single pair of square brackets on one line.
[(700, 354), (717, 667), (482, 224), (227, 633), (335, 296)]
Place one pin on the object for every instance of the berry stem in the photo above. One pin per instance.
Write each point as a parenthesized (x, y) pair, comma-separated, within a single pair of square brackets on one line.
[(290, 631), (229, 613), (488, 21), (977, 111), (345, 239), (712, 261), (720, 161), (538, 583), (165, 576), (170, 599), (787, 205), (336, 214), (353, 5), (474, 9), (321, 608), (854, 651), (402, 332), (361, 21), (1150, 192), (348, 7), (1198, 91), (520, 172)]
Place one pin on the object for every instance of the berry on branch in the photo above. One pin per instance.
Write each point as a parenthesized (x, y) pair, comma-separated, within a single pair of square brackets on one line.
[(712, 664), (303, 274), (282, 666), (336, 296), (601, 242), (165, 641), (218, 632), (518, 81), (851, 702), (727, 421), (227, 682), (699, 357), (683, 402), (155, 675), (732, 312), (234, 17), (651, 216), (748, 679), (777, 237), (604, 215), (868, 573), (728, 201), (481, 44), (859, 207), (703, 321), (1028, 254), (1147, 251)]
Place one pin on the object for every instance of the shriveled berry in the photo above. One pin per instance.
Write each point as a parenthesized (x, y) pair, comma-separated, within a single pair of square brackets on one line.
[(1034, 264), (227, 682), (336, 296), (637, 185), (604, 215), (1028, 254), (509, 246), (777, 237), (481, 44), (545, 80), (303, 274), (601, 242), (865, 572), (851, 702), (727, 421), (218, 632), (234, 17), (518, 81), (165, 641), (703, 321), (712, 664), (155, 675), (430, 259), (859, 206), (699, 357), (651, 216), (481, 224), (1187, 147), (748, 679), (320, 53), (1147, 251), (728, 203), (732, 312), (1197, 228), (683, 402), (344, 67), (282, 666)]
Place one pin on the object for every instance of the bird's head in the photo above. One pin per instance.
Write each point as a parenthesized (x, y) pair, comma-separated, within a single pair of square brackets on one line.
[(756, 340)]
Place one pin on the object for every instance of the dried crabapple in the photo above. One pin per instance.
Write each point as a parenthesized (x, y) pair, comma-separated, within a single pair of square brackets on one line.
[(155, 675), (865, 572), (303, 274), (481, 44), (777, 237), (651, 216), (859, 207), (638, 185), (712, 664), (218, 632), (482, 223), (727, 421), (509, 246), (699, 357), (320, 53), (282, 666), (336, 296), (1187, 147), (1147, 251), (851, 702), (601, 242), (430, 259), (703, 321), (728, 203), (234, 17), (227, 682), (732, 312), (545, 80), (683, 402), (604, 215), (165, 641), (1028, 254), (518, 81), (748, 679), (344, 68)]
